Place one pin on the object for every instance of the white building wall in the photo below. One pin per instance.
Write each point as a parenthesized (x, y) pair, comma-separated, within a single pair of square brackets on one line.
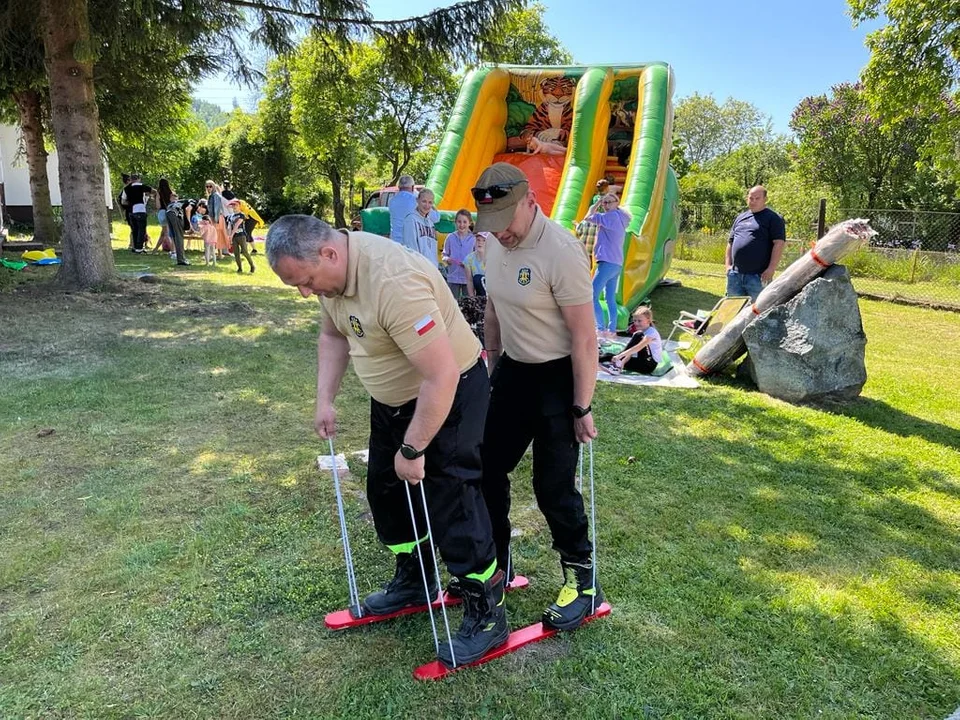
[(16, 177)]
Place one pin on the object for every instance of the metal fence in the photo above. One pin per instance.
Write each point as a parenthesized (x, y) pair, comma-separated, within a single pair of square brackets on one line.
[(915, 256)]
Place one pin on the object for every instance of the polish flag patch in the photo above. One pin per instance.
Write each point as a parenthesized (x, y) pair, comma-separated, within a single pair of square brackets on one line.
[(424, 325)]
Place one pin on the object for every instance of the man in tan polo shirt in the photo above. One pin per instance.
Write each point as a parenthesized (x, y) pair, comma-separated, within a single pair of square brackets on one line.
[(541, 339), (391, 311)]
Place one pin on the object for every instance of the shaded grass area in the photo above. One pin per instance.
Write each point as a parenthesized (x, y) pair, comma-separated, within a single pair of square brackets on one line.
[(170, 550)]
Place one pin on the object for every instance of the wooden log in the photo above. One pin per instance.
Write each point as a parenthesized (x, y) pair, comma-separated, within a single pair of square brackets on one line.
[(728, 345)]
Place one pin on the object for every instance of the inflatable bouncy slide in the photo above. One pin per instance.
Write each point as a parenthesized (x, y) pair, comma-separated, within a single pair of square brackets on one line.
[(566, 127)]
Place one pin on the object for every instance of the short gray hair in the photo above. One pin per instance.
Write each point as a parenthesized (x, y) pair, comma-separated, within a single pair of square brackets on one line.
[(405, 181), (297, 236)]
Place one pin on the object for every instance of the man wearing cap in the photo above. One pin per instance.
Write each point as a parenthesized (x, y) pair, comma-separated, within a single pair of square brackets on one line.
[(542, 348), (391, 311)]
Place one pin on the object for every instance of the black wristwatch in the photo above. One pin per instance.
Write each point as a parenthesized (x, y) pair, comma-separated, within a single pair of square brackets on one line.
[(410, 452), (580, 412)]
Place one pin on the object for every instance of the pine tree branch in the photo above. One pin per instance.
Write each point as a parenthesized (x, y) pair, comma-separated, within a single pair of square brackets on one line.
[(366, 20)]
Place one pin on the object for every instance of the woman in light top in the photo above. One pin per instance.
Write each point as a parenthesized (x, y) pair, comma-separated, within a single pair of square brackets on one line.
[(608, 251)]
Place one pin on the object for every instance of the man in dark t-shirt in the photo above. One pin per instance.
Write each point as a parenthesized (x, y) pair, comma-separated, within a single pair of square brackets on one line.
[(756, 244), (135, 196)]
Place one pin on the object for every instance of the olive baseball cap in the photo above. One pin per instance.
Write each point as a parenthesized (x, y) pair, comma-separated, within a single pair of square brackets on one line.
[(499, 190)]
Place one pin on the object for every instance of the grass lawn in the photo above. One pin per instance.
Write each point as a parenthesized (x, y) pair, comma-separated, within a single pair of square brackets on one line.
[(170, 550)]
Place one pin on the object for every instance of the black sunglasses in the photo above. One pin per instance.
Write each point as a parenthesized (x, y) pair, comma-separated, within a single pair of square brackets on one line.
[(486, 195)]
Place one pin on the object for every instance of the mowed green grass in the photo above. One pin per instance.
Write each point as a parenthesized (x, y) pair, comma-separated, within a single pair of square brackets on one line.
[(170, 549)]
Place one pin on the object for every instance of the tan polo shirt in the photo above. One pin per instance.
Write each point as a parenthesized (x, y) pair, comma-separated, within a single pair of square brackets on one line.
[(394, 304), (529, 284)]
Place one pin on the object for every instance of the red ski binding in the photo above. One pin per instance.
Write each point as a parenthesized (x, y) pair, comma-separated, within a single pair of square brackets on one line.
[(436, 670), (344, 619)]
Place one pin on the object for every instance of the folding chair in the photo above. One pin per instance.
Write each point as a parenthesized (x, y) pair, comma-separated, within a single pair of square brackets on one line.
[(703, 326)]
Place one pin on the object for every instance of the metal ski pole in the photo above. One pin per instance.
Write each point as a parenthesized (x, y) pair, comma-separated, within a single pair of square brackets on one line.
[(423, 571), (347, 553), (593, 528), (436, 570)]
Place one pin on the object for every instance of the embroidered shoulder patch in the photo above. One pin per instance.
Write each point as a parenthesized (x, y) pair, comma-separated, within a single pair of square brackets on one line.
[(356, 326), (424, 325)]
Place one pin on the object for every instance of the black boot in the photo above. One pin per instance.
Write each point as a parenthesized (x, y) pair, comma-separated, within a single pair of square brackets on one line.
[(453, 586), (406, 587), (578, 597), (484, 625)]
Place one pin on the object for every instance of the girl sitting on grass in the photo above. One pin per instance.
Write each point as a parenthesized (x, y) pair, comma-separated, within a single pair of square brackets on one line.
[(644, 351)]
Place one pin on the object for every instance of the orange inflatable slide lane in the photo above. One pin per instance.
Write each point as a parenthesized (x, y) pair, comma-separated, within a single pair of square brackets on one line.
[(544, 172)]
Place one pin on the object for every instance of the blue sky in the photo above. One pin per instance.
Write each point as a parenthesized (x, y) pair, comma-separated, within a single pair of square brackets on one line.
[(771, 53)]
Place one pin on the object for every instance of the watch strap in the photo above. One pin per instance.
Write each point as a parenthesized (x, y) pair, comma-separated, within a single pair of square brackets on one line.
[(410, 452)]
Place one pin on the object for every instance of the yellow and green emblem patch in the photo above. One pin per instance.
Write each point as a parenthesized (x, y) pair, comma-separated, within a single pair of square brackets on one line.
[(524, 276), (356, 326)]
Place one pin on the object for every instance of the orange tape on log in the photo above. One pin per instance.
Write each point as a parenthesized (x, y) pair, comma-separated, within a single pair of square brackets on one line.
[(700, 367), (818, 260)]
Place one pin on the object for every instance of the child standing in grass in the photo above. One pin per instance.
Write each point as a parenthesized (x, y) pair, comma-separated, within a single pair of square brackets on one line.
[(208, 232), (644, 351), (238, 235), (456, 248)]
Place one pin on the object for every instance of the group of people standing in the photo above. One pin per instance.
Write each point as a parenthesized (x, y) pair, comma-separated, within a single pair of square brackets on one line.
[(224, 221), (437, 417), (441, 416), (413, 220), (754, 248)]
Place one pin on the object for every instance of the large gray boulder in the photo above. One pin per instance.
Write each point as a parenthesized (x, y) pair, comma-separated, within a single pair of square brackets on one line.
[(811, 348)]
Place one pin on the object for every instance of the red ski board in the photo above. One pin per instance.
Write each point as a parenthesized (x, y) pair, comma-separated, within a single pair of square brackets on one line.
[(436, 670), (342, 619)]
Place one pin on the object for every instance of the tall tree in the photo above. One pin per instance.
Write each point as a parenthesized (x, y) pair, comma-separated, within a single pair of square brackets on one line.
[(30, 106), (708, 129), (843, 145), (914, 69), (522, 37), (755, 162), (23, 100), (698, 124), (329, 105), (742, 122), (400, 112), (216, 29), (87, 256)]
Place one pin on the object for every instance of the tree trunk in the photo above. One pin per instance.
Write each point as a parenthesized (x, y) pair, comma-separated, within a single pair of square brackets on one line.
[(336, 192), (31, 125), (87, 255)]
